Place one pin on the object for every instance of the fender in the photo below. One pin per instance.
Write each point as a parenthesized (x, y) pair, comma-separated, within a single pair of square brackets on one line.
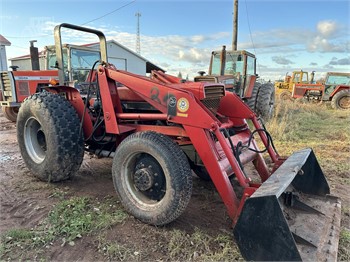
[(338, 89), (74, 97)]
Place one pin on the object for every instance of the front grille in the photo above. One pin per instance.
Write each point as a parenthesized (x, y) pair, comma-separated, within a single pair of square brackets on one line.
[(214, 91), (213, 95), (299, 91), (212, 104), (5, 83)]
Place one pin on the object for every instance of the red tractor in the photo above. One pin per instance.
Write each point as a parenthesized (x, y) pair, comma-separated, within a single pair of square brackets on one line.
[(15, 85), (335, 89), (156, 130), (237, 71)]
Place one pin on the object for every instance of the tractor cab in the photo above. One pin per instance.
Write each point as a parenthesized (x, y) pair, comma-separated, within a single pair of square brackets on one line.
[(335, 79), (235, 69), (77, 62)]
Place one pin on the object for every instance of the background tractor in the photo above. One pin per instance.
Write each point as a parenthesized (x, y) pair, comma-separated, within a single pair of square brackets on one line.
[(16, 85), (237, 71), (284, 89), (335, 89), (156, 130)]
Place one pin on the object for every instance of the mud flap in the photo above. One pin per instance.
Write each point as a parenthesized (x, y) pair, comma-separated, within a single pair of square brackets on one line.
[(291, 216)]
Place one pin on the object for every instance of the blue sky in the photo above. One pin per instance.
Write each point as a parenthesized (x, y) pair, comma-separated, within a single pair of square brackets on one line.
[(180, 35)]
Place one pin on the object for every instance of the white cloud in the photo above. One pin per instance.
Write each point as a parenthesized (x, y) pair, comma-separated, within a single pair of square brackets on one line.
[(327, 28), (190, 54), (181, 54), (324, 45)]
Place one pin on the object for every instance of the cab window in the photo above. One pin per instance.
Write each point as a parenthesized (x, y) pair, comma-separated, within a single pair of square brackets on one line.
[(215, 68)]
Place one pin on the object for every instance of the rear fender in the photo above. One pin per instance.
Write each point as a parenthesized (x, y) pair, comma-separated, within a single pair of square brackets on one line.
[(338, 89), (74, 97), (250, 82)]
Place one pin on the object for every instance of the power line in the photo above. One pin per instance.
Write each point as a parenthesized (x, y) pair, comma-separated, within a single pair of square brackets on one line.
[(115, 10), (250, 32), (46, 35)]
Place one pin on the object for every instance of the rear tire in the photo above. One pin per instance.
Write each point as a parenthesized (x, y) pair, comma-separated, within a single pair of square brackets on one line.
[(262, 101), (201, 172), (10, 113), (341, 100), (152, 177), (252, 101), (48, 137), (266, 101)]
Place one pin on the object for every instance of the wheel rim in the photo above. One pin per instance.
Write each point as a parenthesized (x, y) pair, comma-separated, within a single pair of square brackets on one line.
[(35, 140), (344, 102), (145, 179)]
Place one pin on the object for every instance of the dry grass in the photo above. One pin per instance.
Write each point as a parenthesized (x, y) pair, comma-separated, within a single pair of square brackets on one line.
[(327, 131), (199, 246), (296, 126)]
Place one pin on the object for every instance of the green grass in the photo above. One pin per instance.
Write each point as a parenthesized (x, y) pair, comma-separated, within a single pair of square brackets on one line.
[(69, 220), (344, 246), (115, 251)]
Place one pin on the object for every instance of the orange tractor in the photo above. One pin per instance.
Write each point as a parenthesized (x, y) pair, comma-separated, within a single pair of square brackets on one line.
[(156, 129)]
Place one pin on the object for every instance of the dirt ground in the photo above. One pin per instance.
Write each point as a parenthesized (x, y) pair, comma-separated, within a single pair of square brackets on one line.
[(25, 201)]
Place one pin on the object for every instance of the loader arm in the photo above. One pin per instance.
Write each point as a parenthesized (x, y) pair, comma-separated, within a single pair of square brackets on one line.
[(174, 104), (181, 107)]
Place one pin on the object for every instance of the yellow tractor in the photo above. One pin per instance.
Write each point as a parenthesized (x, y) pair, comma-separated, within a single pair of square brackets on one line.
[(284, 89)]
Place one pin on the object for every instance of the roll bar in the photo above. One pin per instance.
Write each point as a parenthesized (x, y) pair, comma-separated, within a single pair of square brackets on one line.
[(58, 45)]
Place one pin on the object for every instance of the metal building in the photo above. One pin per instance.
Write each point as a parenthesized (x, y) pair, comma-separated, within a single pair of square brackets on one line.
[(3, 60), (119, 55)]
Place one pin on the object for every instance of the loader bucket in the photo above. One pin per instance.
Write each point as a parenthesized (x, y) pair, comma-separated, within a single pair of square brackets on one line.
[(291, 216)]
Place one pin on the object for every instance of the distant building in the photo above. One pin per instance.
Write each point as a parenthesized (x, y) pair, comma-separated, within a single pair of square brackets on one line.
[(3, 60), (122, 57)]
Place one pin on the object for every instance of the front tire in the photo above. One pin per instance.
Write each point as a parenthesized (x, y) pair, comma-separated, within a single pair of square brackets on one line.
[(10, 113), (286, 96), (341, 100), (48, 137), (152, 177)]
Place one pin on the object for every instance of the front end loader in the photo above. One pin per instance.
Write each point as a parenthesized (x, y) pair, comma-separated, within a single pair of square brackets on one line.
[(157, 131)]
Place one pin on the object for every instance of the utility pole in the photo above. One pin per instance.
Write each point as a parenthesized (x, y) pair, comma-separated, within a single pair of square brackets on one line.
[(138, 44), (235, 25)]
